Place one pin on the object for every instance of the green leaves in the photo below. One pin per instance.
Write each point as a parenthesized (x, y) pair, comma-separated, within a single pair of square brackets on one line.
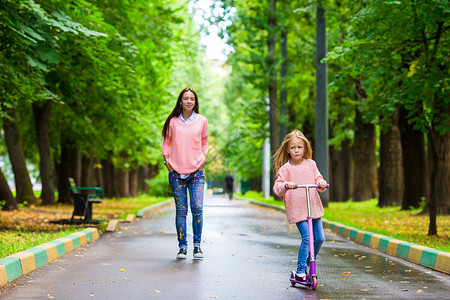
[(108, 66), (29, 33), (396, 46)]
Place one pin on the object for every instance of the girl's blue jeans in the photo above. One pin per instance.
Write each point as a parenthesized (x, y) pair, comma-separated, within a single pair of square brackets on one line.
[(304, 246), (195, 184)]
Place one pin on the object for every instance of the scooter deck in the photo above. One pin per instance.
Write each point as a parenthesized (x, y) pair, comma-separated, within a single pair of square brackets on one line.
[(310, 282), (305, 283)]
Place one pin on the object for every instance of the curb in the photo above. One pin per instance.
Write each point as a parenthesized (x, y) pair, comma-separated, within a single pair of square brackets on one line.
[(15, 266), (426, 257), (114, 225), (141, 213)]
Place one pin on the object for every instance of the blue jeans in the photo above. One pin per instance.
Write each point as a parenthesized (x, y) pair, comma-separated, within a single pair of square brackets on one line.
[(195, 184), (304, 246)]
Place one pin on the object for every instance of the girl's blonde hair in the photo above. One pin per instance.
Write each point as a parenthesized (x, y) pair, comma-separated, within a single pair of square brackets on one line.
[(282, 156)]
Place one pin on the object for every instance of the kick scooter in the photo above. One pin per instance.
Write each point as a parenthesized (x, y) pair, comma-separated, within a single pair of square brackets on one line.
[(311, 276)]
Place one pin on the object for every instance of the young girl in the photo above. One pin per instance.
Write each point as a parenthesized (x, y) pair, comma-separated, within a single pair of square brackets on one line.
[(293, 165)]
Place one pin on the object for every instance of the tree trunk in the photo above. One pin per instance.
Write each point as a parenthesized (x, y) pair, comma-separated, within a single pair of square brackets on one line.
[(391, 166), (108, 178), (143, 175), (86, 171), (342, 170), (75, 164), (123, 182), (6, 194), (271, 66), (64, 172), (439, 152), (24, 188), (365, 178), (154, 169), (134, 182), (414, 163), (441, 180), (321, 148), (255, 184), (123, 178), (283, 94), (273, 114), (432, 200), (41, 121), (98, 174)]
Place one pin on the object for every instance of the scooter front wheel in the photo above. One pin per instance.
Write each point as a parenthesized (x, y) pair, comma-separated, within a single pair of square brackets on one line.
[(314, 283)]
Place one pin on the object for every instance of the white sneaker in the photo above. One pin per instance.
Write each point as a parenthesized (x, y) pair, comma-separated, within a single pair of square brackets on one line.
[(182, 254), (307, 269), (198, 252), (299, 277)]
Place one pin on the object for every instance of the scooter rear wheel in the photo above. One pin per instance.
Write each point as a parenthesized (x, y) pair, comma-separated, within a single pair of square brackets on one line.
[(314, 283)]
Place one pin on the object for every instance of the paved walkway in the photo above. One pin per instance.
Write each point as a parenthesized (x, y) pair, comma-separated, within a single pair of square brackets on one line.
[(249, 252)]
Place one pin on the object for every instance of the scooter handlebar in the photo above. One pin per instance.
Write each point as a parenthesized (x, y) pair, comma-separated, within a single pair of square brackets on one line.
[(297, 186)]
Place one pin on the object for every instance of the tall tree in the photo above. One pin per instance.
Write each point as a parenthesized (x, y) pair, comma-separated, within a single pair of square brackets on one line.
[(24, 188), (412, 49), (42, 121), (6, 195), (414, 163), (321, 127), (283, 76), (365, 178), (391, 165), (273, 84)]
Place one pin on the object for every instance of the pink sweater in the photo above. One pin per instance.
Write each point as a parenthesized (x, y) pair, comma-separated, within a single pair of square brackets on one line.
[(295, 200), (186, 145)]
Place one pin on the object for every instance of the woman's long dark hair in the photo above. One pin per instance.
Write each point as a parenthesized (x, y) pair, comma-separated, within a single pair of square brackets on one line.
[(177, 110)]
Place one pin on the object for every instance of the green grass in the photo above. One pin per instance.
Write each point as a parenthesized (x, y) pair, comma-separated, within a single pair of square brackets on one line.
[(21, 238), (14, 241), (409, 226), (258, 196)]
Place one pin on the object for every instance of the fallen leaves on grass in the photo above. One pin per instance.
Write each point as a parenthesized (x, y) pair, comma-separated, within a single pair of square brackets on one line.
[(31, 220), (405, 225), (27, 227)]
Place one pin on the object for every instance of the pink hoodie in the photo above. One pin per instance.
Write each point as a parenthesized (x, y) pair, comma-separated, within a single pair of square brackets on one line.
[(186, 145), (295, 200)]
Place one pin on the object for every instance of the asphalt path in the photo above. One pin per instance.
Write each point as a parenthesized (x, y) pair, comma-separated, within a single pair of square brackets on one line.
[(249, 253)]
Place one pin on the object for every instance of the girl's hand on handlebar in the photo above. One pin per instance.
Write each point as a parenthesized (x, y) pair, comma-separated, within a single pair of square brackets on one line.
[(290, 185), (323, 184)]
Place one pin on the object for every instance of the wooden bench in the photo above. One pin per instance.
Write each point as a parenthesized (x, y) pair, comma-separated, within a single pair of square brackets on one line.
[(82, 200)]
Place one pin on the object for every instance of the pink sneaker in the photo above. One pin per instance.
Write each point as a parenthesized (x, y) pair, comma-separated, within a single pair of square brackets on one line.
[(299, 277)]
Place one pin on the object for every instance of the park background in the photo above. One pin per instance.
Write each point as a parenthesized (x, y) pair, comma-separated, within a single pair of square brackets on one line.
[(87, 85)]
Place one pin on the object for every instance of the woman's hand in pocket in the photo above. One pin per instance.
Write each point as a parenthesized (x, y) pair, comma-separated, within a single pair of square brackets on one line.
[(168, 166)]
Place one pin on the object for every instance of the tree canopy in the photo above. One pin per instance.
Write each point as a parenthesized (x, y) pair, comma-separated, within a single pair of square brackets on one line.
[(101, 76)]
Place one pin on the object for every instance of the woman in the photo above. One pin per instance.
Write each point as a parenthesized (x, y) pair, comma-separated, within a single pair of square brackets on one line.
[(185, 148)]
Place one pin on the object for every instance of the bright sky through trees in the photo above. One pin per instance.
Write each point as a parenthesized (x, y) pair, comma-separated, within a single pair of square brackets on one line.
[(216, 48)]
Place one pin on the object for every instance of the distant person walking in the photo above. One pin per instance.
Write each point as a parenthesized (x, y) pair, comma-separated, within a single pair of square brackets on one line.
[(229, 185), (185, 148), (294, 165)]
